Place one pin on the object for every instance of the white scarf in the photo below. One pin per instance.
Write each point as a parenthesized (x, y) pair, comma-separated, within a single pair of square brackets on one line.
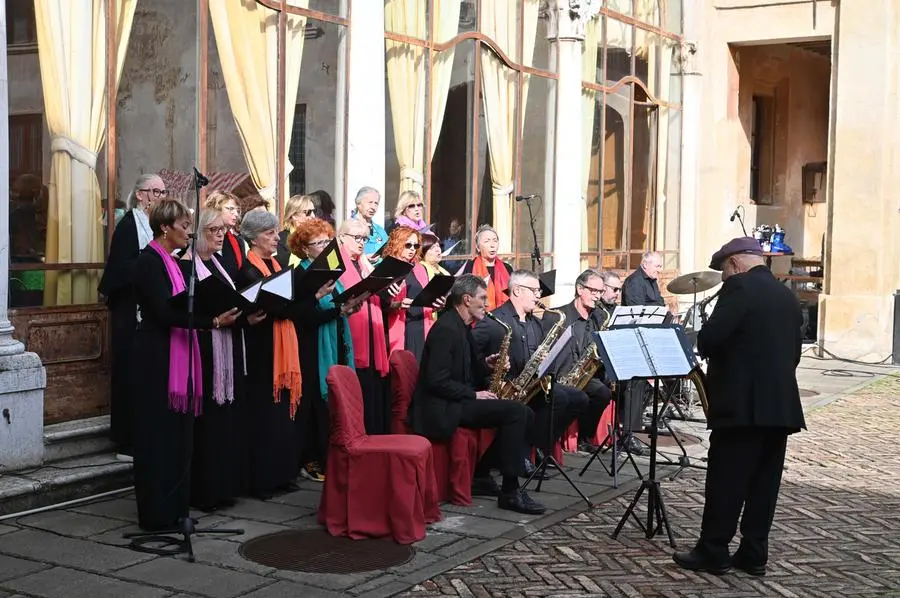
[(145, 235)]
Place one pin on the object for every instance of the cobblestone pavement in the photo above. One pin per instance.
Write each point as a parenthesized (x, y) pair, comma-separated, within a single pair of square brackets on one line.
[(835, 531)]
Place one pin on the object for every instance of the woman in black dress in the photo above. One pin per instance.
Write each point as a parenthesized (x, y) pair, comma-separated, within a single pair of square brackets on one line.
[(132, 234), (234, 249), (160, 374), (297, 209), (219, 464), (273, 371)]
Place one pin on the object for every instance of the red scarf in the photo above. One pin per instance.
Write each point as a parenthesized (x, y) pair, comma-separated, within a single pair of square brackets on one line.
[(359, 321), (236, 247), (397, 317), (496, 285)]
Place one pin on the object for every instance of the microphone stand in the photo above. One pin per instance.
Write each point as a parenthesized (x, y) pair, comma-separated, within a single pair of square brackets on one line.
[(536, 250), (141, 541), (737, 213)]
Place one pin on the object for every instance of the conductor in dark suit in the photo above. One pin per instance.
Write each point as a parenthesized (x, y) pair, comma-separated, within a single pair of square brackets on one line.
[(448, 394), (752, 342)]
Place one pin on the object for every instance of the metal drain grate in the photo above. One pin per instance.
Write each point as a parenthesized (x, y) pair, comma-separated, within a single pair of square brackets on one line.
[(666, 440), (315, 551), (806, 393)]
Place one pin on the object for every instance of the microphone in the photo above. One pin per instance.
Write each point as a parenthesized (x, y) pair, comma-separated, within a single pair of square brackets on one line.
[(733, 216), (201, 180), (525, 197)]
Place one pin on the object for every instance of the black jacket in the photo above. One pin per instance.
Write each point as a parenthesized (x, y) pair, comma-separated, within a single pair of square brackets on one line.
[(118, 274), (450, 372), (489, 335), (752, 341), (640, 289), (283, 252), (581, 339)]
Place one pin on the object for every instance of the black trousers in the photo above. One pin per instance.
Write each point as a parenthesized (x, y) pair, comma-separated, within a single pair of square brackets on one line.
[(512, 421), (744, 472), (312, 430), (599, 396), (570, 404)]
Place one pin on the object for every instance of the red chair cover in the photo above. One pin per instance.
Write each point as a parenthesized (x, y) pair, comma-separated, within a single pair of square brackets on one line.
[(570, 440), (454, 461), (375, 486)]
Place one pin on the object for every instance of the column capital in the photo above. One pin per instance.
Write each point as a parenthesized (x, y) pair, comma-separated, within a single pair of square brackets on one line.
[(569, 17)]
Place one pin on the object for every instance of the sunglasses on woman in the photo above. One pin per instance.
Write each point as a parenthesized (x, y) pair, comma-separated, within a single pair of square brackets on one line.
[(411, 245)]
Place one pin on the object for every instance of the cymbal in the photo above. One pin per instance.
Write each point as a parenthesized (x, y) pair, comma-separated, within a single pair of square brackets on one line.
[(684, 284)]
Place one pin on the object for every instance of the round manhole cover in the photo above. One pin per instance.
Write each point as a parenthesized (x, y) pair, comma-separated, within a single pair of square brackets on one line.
[(315, 551), (666, 440), (806, 393)]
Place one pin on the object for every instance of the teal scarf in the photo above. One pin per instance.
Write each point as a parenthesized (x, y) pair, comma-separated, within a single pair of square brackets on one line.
[(328, 339)]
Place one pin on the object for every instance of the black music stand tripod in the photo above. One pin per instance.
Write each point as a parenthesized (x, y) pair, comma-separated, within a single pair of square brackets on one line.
[(548, 383), (160, 542)]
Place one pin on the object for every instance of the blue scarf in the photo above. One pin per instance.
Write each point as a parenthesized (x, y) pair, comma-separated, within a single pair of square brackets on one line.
[(328, 345)]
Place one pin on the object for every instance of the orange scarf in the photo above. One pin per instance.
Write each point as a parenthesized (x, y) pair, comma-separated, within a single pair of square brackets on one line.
[(496, 285), (286, 364)]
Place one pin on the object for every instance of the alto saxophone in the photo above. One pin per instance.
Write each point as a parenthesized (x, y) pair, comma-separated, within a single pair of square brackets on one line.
[(523, 387), (501, 366), (587, 365)]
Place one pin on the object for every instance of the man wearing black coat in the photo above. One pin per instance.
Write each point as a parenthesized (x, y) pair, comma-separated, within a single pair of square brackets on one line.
[(752, 343), (448, 395)]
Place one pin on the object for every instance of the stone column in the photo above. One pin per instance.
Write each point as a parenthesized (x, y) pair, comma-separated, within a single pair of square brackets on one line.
[(691, 85), (567, 22), (365, 79), (22, 377)]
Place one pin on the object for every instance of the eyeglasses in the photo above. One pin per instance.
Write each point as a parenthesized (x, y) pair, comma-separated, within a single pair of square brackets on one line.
[(411, 245), (415, 205), (319, 243), (308, 212), (615, 289), (232, 209), (216, 230), (156, 192), (592, 290), (535, 290), (358, 238)]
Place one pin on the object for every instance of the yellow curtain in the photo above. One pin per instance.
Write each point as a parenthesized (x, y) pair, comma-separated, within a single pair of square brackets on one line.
[(72, 54), (407, 81), (247, 42), (499, 21), (588, 111)]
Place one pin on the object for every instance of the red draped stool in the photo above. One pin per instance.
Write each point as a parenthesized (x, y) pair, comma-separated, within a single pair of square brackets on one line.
[(570, 440), (375, 486), (454, 461)]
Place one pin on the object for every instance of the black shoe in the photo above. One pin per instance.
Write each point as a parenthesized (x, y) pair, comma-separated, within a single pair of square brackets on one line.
[(694, 561), (630, 444), (485, 486), (530, 469), (520, 502), (587, 447), (739, 563)]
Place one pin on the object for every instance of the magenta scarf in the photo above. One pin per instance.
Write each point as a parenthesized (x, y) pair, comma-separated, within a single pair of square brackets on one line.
[(178, 347), (222, 345)]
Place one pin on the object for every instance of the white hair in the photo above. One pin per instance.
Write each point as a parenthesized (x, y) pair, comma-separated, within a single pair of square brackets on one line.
[(131, 200)]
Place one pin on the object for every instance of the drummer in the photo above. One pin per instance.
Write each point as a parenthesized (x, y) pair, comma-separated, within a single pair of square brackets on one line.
[(642, 286)]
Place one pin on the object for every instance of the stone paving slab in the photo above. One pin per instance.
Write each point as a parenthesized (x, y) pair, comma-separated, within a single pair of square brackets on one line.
[(67, 552), (75, 525), (197, 578), (60, 582), (11, 567)]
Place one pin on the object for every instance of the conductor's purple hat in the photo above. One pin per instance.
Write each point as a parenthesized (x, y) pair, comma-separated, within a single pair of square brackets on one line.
[(733, 247)]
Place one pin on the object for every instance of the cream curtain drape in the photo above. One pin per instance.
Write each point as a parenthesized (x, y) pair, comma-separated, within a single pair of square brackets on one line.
[(589, 54), (407, 82), (499, 21), (72, 54), (247, 42)]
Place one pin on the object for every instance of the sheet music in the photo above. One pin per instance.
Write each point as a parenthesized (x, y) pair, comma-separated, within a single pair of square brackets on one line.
[(447, 251), (638, 314), (282, 285), (625, 353), (665, 351), (251, 292), (555, 350)]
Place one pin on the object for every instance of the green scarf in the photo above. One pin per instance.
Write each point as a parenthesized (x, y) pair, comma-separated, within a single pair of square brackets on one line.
[(328, 339)]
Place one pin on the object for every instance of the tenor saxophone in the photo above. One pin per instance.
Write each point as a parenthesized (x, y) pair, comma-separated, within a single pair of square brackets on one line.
[(587, 365), (523, 387), (501, 366)]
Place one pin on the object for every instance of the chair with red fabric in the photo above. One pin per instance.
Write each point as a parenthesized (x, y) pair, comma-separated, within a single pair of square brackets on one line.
[(375, 486), (454, 461)]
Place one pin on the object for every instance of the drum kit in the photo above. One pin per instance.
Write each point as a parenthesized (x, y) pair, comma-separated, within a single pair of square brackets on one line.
[(693, 283)]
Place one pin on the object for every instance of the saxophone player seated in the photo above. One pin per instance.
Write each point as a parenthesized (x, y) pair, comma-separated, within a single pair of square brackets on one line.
[(584, 317), (528, 344), (449, 394)]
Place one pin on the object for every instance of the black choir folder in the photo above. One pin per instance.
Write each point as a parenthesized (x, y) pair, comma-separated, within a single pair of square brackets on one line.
[(385, 273), (436, 288), (649, 351), (213, 296), (327, 267)]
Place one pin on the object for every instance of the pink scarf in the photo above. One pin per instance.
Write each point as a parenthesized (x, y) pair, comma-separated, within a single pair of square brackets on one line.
[(222, 345), (403, 220), (178, 347), (359, 321), (397, 317)]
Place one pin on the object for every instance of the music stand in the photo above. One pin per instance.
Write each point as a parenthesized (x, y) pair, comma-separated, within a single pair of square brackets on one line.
[(548, 383), (649, 352)]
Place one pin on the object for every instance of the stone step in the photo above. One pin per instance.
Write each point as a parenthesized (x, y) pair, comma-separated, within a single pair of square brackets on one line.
[(77, 438), (62, 480)]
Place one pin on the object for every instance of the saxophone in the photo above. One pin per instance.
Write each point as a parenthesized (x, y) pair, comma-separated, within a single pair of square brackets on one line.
[(587, 365), (501, 366), (523, 387)]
